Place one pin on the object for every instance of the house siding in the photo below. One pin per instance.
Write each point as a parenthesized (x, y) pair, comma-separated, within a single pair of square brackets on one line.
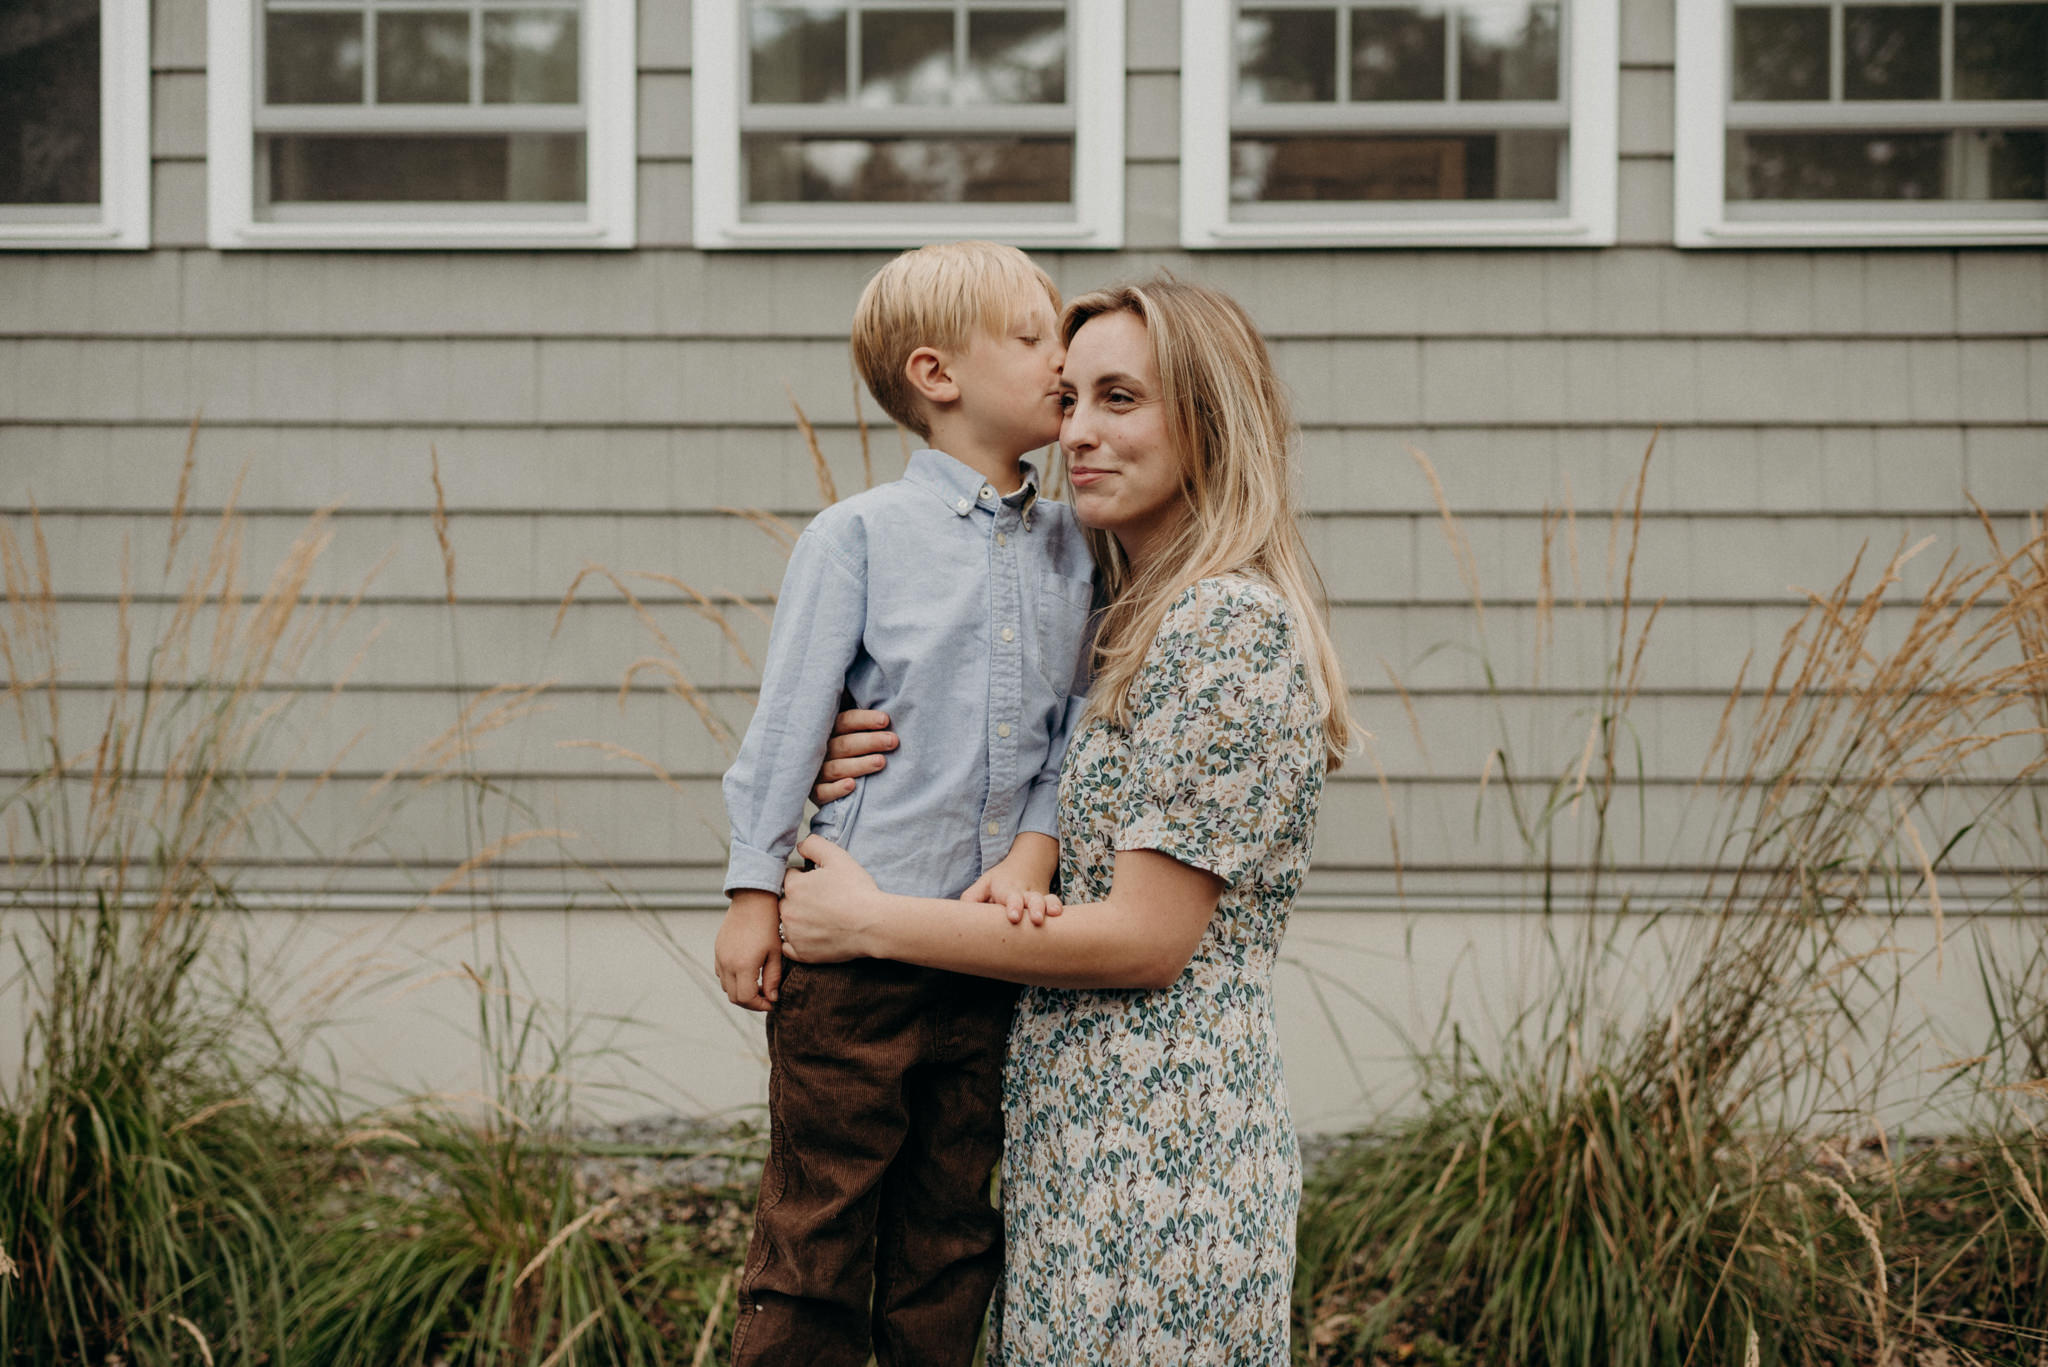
[(607, 407)]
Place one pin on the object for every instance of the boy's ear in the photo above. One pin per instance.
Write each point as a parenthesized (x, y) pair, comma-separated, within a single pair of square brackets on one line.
[(930, 377)]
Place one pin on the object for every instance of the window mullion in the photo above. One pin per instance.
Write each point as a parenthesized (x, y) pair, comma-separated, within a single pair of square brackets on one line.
[(959, 52), (852, 53), (1454, 37), (1838, 53), (369, 55), (1948, 50), (1342, 56), (476, 55)]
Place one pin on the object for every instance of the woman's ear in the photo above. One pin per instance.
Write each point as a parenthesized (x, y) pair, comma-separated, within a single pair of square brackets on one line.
[(930, 377)]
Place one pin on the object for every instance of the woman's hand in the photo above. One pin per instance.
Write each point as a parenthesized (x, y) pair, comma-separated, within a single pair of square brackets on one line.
[(859, 739), (827, 911)]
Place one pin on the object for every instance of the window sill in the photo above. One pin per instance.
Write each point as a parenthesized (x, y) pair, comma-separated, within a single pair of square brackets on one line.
[(1835, 232), (87, 237), (862, 235), (417, 236), (1447, 232)]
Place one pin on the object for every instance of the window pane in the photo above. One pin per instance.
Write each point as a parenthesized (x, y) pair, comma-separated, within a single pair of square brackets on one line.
[(1837, 165), (49, 103), (487, 168), (1893, 52), (1287, 56), (798, 170), (530, 57), (313, 58), (2003, 163), (1508, 51), (2002, 52), (1016, 57), (906, 57), (422, 58), (799, 55), (1781, 53), (1397, 54), (1481, 166)]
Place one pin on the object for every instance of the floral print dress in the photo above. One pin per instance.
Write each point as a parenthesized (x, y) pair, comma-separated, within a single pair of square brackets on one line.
[(1150, 1173)]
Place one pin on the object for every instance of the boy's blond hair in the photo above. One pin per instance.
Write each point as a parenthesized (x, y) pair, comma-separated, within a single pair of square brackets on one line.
[(936, 296)]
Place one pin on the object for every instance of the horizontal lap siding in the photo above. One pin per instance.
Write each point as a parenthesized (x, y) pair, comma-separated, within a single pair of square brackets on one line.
[(604, 408)]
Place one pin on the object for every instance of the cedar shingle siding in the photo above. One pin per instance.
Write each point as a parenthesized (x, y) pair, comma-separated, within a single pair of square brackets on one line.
[(605, 407)]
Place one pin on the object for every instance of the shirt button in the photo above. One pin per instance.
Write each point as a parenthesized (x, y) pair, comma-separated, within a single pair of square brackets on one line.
[(1009, 635), (1003, 730), (993, 828), (963, 505), (1002, 540), (987, 492)]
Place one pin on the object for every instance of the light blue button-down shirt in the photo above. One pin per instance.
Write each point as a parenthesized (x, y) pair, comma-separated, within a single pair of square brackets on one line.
[(961, 613)]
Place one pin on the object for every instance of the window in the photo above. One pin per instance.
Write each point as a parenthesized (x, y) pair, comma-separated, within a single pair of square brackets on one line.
[(421, 123), (1423, 123), (74, 123), (894, 122), (1861, 124)]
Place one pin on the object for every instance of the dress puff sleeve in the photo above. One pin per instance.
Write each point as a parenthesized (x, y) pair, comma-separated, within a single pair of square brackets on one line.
[(1208, 714)]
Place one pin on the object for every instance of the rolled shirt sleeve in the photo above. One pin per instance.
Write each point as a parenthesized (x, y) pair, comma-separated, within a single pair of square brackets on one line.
[(820, 615)]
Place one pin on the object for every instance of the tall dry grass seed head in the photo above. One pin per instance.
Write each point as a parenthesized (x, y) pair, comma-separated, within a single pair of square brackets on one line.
[(147, 1154), (1628, 1173)]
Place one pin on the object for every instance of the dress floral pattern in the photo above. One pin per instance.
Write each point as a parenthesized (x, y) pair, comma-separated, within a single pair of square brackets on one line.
[(1150, 1172)]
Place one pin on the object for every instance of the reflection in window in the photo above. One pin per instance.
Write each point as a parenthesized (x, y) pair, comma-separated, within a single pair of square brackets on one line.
[(441, 66), (49, 103), (794, 170), (1287, 56), (832, 114), (1893, 52), (348, 169), (1483, 166), (1981, 164), (1397, 54), (1507, 52), (1402, 67), (1781, 53), (2001, 52), (1882, 78)]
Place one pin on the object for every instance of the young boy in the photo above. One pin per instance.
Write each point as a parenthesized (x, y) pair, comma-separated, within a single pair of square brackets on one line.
[(957, 602)]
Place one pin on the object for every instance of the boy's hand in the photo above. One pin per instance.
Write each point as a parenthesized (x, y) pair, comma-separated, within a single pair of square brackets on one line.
[(1019, 883), (860, 737), (748, 952)]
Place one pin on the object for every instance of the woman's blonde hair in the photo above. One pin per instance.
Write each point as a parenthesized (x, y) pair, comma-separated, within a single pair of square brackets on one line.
[(1228, 416)]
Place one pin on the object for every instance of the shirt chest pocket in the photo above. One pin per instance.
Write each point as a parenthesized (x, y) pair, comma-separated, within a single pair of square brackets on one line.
[(1060, 612)]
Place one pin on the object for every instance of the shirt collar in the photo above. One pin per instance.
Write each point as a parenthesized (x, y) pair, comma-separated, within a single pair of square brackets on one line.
[(959, 485)]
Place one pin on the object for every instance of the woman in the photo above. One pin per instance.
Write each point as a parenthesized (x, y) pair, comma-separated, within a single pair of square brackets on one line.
[(1150, 1173)]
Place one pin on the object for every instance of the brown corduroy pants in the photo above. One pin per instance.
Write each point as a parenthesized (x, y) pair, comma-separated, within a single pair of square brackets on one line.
[(874, 1228)]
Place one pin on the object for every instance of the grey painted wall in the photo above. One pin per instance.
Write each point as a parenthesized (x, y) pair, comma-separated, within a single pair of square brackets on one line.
[(606, 407)]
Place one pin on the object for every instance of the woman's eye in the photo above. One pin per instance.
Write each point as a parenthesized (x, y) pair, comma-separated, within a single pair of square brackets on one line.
[(1066, 403), (1118, 396)]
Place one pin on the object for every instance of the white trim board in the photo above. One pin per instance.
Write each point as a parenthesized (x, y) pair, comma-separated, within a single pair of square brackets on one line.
[(122, 222)]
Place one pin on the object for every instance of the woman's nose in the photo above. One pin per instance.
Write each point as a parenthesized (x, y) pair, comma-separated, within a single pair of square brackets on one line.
[(1076, 432)]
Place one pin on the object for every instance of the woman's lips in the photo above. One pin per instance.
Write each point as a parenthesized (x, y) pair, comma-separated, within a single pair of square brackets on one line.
[(1082, 476)]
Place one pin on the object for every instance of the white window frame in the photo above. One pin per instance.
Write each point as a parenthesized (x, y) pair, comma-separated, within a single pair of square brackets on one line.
[(608, 85), (1591, 60), (122, 223), (1095, 86), (1700, 204)]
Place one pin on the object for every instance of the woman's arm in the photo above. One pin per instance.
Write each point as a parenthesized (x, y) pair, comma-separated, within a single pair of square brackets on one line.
[(1141, 936)]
